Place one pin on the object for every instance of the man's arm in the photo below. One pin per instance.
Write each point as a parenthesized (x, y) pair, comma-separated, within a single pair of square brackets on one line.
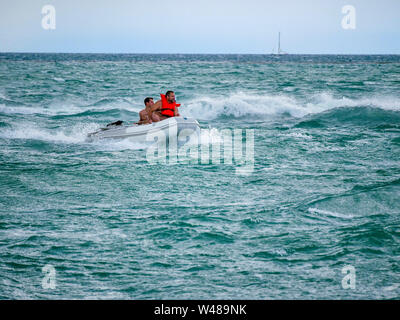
[(154, 107), (144, 118)]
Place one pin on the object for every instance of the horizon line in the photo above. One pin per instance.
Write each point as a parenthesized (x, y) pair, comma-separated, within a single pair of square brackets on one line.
[(193, 53)]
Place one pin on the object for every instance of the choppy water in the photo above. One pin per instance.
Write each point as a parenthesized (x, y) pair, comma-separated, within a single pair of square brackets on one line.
[(323, 194)]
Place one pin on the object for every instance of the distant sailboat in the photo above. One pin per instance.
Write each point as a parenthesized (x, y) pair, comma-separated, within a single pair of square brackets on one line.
[(279, 46)]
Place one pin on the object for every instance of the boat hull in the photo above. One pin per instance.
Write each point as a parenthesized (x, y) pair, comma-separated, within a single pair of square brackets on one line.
[(141, 133)]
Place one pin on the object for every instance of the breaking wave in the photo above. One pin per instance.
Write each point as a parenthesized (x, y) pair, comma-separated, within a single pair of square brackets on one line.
[(242, 104)]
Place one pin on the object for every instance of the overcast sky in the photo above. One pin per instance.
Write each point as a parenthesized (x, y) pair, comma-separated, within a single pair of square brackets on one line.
[(201, 26)]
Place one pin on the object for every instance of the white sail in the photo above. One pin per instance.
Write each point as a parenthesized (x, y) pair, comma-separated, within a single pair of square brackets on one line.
[(279, 52)]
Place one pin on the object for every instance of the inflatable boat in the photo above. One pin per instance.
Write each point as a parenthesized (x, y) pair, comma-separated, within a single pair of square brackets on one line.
[(176, 126)]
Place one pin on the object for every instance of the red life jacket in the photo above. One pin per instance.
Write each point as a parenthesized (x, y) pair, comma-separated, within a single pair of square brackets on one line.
[(168, 109)]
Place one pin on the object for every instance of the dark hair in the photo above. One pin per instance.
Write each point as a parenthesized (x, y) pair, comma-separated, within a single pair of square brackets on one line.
[(168, 93), (147, 100)]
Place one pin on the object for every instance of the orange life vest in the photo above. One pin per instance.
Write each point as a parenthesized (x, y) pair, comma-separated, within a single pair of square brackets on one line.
[(168, 109)]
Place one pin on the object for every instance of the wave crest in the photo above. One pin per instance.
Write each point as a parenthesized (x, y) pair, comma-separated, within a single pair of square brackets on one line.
[(239, 105)]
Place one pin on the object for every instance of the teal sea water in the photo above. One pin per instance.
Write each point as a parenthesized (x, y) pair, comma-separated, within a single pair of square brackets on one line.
[(324, 193)]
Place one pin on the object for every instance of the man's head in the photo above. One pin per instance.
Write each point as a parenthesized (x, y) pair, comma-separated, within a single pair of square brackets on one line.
[(170, 95), (148, 102)]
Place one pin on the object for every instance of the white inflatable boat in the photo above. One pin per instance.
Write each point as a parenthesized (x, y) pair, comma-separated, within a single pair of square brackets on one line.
[(141, 133)]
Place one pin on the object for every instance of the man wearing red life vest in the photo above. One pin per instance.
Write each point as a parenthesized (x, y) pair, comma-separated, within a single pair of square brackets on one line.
[(164, 108)]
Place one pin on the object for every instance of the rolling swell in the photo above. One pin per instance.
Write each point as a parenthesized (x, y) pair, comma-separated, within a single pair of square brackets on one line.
[(95, 113), (356, 116)]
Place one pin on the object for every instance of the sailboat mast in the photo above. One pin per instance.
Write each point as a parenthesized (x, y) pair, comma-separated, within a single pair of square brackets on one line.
[(279, 43)]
